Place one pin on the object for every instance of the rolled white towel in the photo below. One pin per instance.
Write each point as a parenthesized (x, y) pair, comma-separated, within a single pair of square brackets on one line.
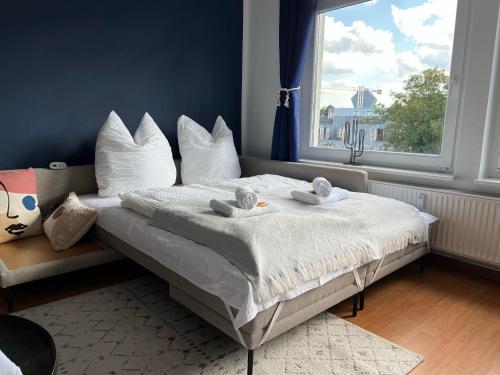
[(7, 367), (230, 209), (311, 197), (322, 186), (246, 197)]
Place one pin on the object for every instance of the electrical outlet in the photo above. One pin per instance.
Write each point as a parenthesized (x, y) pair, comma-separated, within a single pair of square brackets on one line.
[(58, 165), (421, 201)]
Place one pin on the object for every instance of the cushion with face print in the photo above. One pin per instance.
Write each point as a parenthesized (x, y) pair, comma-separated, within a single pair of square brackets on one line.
[(19, 213)]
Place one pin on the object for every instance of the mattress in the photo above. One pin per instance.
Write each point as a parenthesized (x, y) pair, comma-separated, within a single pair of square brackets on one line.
[(198, 264)]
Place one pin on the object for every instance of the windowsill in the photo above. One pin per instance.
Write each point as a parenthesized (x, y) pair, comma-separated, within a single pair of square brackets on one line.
[(487, 182), (434, 176)]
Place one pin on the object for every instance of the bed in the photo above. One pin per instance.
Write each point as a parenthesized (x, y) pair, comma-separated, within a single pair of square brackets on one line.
[(194, 280)]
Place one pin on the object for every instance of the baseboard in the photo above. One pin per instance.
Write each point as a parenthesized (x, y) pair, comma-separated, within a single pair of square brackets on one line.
[(464, 265), (467, 260)]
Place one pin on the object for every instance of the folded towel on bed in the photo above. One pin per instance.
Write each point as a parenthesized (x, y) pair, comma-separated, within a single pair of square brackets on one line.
[(7, 367), (230, 208), (246, 197), (322, 186), (310, 197)]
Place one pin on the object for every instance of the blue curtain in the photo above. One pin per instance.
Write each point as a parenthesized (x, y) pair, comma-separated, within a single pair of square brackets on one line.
[(296, 25)]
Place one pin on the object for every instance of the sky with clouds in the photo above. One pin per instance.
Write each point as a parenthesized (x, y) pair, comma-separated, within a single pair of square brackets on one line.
[(380, 43)]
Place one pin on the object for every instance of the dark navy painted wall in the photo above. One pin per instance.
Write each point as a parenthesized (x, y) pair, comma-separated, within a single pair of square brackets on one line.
[(64, 65)]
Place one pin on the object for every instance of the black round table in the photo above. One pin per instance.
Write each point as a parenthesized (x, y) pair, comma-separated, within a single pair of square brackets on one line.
[(28, 345)]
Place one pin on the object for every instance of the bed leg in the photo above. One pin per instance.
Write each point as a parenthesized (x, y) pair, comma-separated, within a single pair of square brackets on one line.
[(362, 299), (422, 264), (355, 304), (9, 300), (250, 362)]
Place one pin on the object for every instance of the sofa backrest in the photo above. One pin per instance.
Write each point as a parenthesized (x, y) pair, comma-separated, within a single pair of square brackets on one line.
[(52, 184), (350, 179)]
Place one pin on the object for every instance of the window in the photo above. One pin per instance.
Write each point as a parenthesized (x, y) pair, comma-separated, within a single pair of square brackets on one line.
[(388, 64)]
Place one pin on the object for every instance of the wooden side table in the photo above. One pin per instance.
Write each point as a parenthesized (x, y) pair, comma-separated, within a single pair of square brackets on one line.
[(32, 258)]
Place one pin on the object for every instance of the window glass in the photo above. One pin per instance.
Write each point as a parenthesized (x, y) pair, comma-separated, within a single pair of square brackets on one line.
[(387, 64)]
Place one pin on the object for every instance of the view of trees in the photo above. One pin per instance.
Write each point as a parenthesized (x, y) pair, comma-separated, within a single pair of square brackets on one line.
[(414, 121), (415, 118), (323, 111)]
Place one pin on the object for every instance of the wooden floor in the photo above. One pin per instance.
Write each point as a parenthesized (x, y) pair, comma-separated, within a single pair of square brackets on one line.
[(450, 317)]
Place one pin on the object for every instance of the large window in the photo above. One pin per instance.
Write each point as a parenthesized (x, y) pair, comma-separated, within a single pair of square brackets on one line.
[(393, 66)]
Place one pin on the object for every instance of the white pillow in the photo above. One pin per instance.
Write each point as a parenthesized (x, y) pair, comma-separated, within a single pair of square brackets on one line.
[(123, 163), (206, 158)]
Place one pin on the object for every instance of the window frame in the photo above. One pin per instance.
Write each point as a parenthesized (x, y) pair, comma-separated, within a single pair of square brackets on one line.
[(311, 91), (492, 147)]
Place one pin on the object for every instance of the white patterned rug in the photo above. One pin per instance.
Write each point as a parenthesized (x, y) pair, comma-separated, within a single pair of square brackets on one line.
[(132, 328)]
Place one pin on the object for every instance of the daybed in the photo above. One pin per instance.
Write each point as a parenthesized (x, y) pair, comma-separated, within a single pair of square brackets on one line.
[(275, 319)]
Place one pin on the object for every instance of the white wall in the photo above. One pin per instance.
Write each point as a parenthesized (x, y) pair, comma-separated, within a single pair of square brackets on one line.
[(261, 85)]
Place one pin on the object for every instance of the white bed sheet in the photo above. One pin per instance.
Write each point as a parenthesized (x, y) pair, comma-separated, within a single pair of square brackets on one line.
[(199, 264)]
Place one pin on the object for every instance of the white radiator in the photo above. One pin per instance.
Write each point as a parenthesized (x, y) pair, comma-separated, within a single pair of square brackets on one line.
[(469, 225)]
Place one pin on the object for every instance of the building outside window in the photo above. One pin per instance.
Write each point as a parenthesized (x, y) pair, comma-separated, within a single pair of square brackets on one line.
[(333, 121)]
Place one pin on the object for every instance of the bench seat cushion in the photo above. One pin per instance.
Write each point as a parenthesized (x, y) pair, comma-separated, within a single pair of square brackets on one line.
[(33, 258)]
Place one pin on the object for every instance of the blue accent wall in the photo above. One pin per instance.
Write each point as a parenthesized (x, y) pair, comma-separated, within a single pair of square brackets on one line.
[(64, 65)]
